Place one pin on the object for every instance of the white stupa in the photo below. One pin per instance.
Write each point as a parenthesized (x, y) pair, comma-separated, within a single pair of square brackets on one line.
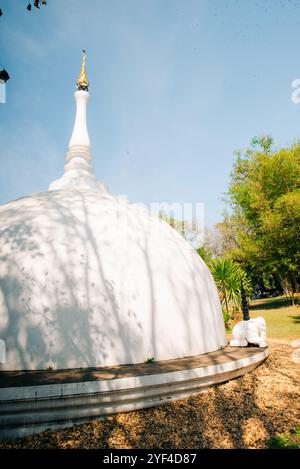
[(88, 279)]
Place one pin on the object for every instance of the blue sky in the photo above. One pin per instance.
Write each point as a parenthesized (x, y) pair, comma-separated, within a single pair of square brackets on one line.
[(176, 86)]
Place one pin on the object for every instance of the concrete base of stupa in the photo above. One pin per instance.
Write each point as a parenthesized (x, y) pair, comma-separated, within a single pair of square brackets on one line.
[(33, 401)]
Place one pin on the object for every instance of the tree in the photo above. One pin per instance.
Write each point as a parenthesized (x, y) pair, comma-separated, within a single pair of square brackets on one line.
[(189, 230), (229, 278), (264, 196), (204, 254), (178, 225), (228, 230), (36, 4), (265, 142)]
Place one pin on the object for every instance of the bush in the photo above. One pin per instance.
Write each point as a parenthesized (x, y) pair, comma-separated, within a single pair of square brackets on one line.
[(287, 440)]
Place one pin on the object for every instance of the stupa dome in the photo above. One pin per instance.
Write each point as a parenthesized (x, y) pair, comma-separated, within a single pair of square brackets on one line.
[(88, 279)]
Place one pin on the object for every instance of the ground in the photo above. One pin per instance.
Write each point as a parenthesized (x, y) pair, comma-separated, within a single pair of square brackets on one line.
[(283, 320), (242, 413), (248, 412)]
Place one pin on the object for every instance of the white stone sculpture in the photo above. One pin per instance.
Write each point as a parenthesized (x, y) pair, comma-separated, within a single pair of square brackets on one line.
[(252, 331)]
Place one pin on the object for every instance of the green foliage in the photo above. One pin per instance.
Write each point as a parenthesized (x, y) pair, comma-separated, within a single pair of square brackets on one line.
[(229, 278), (173, 222), (204, 254), (264, 141), (228, 231), (287, 440), (227, 316), (264, 195), (189, 230), (35, 3), (150, 360)]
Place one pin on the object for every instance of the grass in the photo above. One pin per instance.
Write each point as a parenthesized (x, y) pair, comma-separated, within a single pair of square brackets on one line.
[(287, 440), (283, 320), (270, 303), (150, 360)]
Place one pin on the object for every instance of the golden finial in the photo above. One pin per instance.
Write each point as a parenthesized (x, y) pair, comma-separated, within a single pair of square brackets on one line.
[(82, 82)]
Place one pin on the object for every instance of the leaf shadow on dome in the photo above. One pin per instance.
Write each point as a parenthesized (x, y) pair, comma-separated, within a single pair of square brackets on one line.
[(69, 293), (195, 286), (19, 236), (68, 330)]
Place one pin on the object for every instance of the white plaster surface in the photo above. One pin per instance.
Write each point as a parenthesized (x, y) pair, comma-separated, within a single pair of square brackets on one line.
[(134, 382), (87, 279), (80, 134), (253, 331), (78, 171)]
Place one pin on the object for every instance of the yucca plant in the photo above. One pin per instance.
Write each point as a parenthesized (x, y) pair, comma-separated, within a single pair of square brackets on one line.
[(227, 317), (229, 277)]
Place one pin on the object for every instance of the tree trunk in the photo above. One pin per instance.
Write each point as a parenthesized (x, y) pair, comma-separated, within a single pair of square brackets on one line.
[(292, 289), (226, 302)]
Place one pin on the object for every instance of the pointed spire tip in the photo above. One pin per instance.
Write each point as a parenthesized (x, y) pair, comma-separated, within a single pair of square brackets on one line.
[(82, 82)]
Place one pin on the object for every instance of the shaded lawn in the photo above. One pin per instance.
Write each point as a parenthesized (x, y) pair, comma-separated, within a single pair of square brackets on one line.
[(283, 320)]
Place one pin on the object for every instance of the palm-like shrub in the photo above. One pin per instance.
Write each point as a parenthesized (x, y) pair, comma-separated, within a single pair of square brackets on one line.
[(229, 278)]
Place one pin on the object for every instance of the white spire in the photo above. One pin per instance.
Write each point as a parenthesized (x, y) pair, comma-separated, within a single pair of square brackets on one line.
[(80, 136), (78, 172)]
